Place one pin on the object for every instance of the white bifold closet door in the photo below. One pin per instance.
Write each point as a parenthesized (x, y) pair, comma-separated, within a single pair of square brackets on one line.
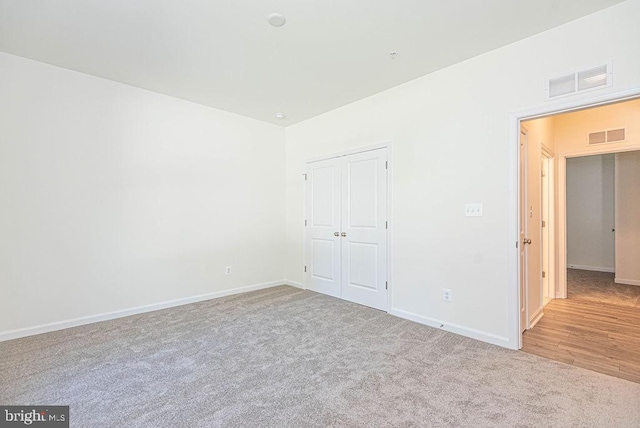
[(346, 237)]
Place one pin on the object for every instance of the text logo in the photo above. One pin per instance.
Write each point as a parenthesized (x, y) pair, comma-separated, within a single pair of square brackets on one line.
[(34, 416)]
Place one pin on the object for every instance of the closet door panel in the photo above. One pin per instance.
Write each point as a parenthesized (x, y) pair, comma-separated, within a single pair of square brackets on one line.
[(323, 250)]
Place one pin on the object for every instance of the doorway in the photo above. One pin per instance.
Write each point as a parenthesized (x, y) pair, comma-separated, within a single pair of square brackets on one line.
[(346, 233), (582, 323)]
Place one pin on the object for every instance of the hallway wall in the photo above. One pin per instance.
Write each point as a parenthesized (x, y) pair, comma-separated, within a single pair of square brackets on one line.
[(590, 213)]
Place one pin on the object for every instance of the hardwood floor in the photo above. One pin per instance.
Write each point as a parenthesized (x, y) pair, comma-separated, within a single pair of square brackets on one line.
[(594, 335)]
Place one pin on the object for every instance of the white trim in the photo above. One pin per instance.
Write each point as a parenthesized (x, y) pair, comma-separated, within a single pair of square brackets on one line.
[(592, 268), (513, 207), (452, 328), (627, 281), (294, 284), (551, 224), (537, 316), (75, 322)]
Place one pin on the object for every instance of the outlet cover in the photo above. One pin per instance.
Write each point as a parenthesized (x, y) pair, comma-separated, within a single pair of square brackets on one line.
[(227, 270), (447, 295)]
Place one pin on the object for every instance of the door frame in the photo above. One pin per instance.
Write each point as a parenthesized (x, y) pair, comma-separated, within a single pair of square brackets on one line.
[(513, 197), (562, 207), (524, 230), (550, 244), (356, 150)]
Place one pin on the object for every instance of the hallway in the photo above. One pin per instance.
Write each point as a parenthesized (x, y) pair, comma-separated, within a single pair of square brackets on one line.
[(597, 327)]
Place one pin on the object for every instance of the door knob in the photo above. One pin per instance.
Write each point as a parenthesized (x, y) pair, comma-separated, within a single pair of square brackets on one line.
[(526, 241), (343, 234), (336, 234)]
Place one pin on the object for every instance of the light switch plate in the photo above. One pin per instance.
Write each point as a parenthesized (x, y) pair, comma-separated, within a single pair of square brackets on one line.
[(473, 210)]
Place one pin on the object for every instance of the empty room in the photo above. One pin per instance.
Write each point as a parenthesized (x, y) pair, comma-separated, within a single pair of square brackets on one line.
[(311, 214)]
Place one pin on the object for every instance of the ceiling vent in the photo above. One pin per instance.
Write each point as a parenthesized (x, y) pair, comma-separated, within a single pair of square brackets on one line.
[(578, 81), (608, 136)]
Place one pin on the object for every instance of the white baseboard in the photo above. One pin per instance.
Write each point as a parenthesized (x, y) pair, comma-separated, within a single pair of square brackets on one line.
[(627, 281), (453, 328), (592, 268), (537, 316), (294, 284), (60, 325)]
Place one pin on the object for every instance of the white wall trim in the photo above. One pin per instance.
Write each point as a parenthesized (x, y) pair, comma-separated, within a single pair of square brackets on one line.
[(453, 328), (537, 316), (627, 281), (75, 322), (592, 268), (294, 284), (513, 208)]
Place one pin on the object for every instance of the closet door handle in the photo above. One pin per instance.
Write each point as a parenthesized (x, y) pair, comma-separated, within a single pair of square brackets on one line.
[(343, 234), (336, 234)]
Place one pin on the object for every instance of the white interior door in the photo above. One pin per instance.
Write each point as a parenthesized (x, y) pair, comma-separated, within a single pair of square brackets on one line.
[(524, 221), (364, 228), (323, 227), (346, 228)]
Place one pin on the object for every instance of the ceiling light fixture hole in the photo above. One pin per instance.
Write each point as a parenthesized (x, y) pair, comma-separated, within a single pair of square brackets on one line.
[(277, 19)]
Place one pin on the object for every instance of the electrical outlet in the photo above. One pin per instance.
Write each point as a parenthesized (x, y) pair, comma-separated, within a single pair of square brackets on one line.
[(227, 270), (473, 210), (446, 295)]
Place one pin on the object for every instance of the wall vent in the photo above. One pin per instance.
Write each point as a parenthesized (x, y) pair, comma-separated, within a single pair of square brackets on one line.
[(578, 81), (607, 136)]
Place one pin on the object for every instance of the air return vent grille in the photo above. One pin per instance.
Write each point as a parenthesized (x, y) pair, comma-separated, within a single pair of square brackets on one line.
[(608, 136), (578, 81)]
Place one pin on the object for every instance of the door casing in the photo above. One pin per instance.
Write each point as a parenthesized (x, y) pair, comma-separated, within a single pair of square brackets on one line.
[(513, 185)]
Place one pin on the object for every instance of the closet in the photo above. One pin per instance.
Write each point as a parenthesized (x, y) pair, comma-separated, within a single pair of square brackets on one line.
[(346, 227)]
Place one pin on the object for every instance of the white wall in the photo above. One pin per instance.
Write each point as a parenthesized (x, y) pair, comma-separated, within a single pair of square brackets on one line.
[(590, 213), (628, 218), (113, 197), (449, 132)]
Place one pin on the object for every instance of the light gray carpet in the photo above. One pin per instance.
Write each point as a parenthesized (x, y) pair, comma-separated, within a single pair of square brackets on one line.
[(601, 287), (284, 357)]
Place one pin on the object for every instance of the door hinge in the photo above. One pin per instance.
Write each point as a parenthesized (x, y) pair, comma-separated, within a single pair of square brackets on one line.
[(516, 244), (386, 164), (544, 274), (305, 222), (386, 285), (305, 268), (386, 225), (544, 223), (305, 177)]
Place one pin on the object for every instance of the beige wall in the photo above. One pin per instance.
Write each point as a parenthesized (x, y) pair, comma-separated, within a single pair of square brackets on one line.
[(571, 129), (540, 134), (628, 218)]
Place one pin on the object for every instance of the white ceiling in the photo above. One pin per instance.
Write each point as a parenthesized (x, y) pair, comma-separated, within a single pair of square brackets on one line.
[(224, 54)]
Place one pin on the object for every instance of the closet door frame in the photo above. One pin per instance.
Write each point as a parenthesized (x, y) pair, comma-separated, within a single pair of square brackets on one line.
[(389, 147)]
